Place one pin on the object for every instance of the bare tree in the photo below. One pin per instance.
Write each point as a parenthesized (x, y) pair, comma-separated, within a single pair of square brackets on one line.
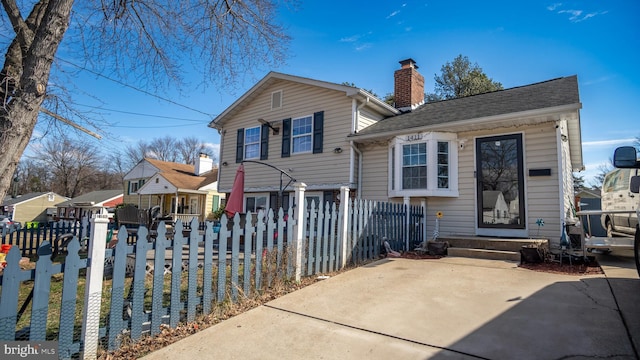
[(189, 149), (133, 154), (150, 40), (603, 170), (73, 165), (164, 148)]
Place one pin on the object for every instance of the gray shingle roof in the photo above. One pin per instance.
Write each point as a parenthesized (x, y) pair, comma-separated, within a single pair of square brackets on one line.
[(97, 197), (8, 200), (547, 94)]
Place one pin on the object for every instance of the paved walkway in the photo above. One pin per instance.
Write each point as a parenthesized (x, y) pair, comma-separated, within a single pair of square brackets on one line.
[(452, 308)]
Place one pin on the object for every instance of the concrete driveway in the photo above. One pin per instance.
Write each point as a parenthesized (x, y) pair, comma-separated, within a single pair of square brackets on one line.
[(451, 308)]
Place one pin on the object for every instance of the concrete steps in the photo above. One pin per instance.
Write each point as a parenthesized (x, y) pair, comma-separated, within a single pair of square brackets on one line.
[(489, 248)]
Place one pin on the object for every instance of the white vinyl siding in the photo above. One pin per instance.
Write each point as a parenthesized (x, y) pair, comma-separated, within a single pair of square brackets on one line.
[(326, 170), (375, 172), (543, 192), (367, 118)]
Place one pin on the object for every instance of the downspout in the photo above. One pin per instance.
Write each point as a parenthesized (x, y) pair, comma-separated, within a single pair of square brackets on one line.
[(354, 149), (353, 146), (561, 189)]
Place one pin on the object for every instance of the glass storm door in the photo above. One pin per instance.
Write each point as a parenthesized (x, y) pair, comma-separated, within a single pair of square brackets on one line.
[(500, 182)]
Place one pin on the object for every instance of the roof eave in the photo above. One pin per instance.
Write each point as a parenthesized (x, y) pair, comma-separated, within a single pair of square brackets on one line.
[(349, 91), (459, 125)]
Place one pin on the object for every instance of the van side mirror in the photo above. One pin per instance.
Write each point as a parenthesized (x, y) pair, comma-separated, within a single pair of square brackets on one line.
[(625, 157), (634, 187)]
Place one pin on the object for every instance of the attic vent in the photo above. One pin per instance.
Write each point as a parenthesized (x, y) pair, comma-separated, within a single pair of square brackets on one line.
[(276, 99), (51, 197)]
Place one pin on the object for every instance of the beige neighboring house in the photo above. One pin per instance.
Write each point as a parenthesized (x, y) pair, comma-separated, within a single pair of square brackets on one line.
[(38, 206), (522, 142), (181, 191)]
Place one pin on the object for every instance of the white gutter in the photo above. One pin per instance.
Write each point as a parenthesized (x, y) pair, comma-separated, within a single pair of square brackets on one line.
[(354, 125), (465, 125)]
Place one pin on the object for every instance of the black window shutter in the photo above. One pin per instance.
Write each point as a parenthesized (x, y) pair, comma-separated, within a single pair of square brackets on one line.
[(318, 125), (286, 137), (264, 142), (240, 146)]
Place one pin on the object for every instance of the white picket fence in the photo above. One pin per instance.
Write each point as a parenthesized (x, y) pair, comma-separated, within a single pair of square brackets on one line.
[(308, 240)]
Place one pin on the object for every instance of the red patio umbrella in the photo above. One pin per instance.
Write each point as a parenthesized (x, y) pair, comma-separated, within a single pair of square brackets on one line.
[(234, 203)]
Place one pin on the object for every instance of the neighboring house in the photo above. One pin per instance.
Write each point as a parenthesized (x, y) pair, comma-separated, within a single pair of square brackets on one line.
[(159, 183), (523, 142), (30, 207), (88, 204), (496, 210)]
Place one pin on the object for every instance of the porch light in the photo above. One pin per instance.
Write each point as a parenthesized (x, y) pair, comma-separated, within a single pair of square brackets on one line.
[(265, 122)]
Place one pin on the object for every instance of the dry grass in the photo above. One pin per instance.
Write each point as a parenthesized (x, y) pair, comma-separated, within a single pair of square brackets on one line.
[(221, 311)]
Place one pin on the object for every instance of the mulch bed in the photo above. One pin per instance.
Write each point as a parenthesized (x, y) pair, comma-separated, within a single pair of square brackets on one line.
[(576, 268)]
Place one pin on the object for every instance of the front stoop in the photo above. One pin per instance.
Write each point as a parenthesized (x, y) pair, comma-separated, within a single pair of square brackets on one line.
[(489, 248)]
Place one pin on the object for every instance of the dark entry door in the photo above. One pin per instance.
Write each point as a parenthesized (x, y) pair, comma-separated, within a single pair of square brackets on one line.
[(500, 182)]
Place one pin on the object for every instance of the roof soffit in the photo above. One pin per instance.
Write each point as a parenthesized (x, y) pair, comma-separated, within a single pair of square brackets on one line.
[(275, 77)]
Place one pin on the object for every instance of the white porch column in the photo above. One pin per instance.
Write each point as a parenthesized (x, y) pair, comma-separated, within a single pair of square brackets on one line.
[(344, 225), (298, 229), (93, 287)]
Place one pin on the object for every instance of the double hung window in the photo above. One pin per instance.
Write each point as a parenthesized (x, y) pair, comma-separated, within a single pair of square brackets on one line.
[(423, 165)]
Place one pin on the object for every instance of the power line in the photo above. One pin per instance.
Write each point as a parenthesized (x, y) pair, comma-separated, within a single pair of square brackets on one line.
[(133, 87), (152, 127), (140, 114)]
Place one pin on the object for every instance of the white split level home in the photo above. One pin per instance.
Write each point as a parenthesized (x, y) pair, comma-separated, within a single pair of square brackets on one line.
[(492, 163)]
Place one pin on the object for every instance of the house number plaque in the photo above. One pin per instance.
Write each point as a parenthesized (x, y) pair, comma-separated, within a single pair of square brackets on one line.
[(414, 137)]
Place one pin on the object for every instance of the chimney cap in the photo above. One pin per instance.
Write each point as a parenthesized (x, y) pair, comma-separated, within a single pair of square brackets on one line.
[(408, 63)]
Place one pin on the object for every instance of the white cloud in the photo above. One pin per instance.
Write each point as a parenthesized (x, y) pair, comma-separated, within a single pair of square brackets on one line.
[(607, 143), (363, 46), (554, 6), (352, 38), (393, 14), (214, 149), (597, 81), (576, 15)]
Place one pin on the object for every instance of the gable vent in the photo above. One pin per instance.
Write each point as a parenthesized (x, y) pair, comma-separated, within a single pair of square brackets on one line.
[(276, 99)]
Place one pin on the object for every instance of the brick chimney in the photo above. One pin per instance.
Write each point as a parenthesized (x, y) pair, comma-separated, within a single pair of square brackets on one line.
[(203, 164), (409, 86)]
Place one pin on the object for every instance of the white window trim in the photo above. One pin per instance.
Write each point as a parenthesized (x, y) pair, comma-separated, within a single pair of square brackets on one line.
[(256, 195), (318, 194), (309, 134), (432, 139), (244, 148)]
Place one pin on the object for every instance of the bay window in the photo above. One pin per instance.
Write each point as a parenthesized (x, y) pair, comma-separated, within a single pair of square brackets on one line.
[(423, 164)]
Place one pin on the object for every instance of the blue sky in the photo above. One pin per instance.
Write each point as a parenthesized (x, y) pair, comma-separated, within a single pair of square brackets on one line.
[(361, 42)]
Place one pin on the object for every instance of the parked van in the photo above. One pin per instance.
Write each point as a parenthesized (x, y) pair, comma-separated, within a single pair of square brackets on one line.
[(617, 198)]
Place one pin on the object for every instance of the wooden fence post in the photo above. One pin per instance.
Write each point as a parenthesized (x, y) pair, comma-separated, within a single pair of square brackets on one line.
[(298, 233), (93, 286), (344, 225)]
